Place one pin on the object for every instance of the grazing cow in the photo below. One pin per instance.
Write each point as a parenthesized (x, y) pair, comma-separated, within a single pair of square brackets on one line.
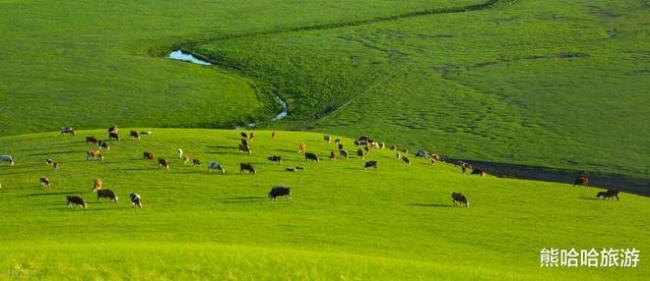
[(434, 157), (332, 155), (91, 140), (106, 193), (180, 153), (302, 148), (113, 129), (134, 135), (163, 163), (146, 133), (196, 162), (246, 167), (99, 184), (94, 154), (114, 137), (382, 145), (136, 200), (370, 164), (582, 180), (103, 145), (45, 182), (74, 201), (337, 140), (148, 155), (278, 191), (479, 172), (56, 166), (275, 158), (327, 138), (291, 169), (245, 148), (186, 160), (215, 166), (398, 156), (244, 135), (244, 142), (363, 140), (340, 146), (299, 168), (360, 153), (393, 147), (49, 162), (344, 153), (406, 160), (459, 198), (67, 131), (311, 156), (610, 193), (273, 135), (251, 136)]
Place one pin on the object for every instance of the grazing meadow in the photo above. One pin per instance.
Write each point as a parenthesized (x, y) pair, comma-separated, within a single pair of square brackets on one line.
[(343, 222)]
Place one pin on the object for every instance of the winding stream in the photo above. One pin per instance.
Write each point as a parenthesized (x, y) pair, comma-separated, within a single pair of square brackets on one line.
[(187, 57)]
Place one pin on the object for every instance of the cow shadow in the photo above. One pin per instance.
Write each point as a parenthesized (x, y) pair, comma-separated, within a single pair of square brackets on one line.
[(222, 146), (588, 198), (48, 193), (243, 199), (432, 205)]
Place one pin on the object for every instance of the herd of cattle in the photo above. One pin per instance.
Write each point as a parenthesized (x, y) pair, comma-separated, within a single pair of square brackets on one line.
[(364, 146)]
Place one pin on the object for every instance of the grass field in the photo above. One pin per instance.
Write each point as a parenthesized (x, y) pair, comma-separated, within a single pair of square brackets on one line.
[(343, 223), (547, 83)]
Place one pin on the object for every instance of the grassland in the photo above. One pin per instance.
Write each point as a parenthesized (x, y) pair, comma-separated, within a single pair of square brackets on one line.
[(544, 83), (89, 64), (343, 223)]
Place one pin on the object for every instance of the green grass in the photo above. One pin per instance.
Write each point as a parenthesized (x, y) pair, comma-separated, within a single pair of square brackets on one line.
[(88, 64), (547, 83), (344, 223)]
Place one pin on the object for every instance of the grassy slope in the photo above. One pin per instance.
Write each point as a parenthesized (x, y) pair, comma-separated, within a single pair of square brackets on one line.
[(83, 63), (343, 223), (557, 84)]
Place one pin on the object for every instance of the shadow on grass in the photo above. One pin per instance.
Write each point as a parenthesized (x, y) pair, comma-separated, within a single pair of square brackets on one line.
[(230, 147), (243, 199), (588, 198), (435, 205), (57, 152), (48, 193)]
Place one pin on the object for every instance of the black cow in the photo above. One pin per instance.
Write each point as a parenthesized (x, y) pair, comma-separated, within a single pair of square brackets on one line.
[(163, 163), (406, 160), (103, 145), (459, 198), (113, 136), (332, 155), (340, 146), (360, 152), (311, 156), (113, 129), (196, 162), (136, 200), (244, 148), (74, 201), (610, 193), (278, 191), (275, 158), (246, 167), (327, 138), (479, 172), (67, 131), (370, 164), (91, 140), (45, 182), (344, 153), (134, 135), (148, 155), (106, 193), (244, 135)]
